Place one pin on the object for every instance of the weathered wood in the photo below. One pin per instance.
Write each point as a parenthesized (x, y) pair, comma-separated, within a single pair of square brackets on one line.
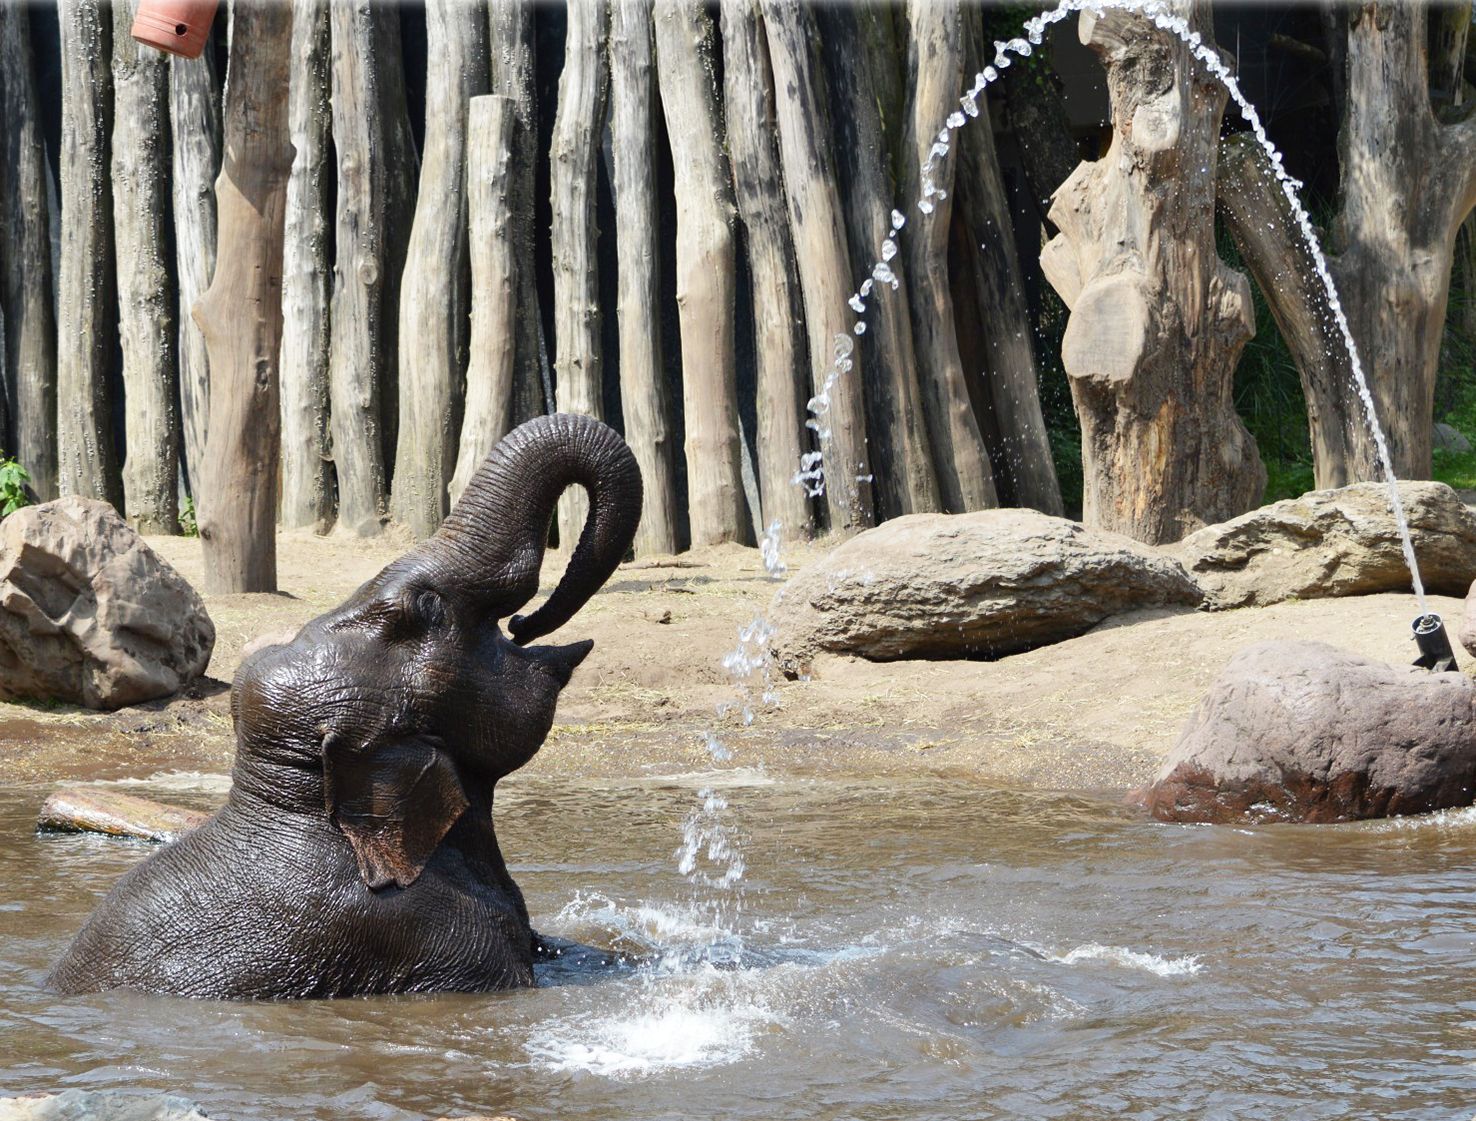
[(369, 128), (824, 267), (1157, 320), (27, 295), (860, 47), (87, 463), (241, 313), (1261, 221), (573, 158), (1408, 181), (643, 392), (435, 292), (934, 82), (1036, 111), (307, 481), (90, 809), (194, 96), (510, 35), (705, 271), (146, 291), (1008, 368), (494, 269)]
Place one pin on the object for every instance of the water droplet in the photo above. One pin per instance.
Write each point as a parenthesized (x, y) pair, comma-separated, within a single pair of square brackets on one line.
[(859, 328)]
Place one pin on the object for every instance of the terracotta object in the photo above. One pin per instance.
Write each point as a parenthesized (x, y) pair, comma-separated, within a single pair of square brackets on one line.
[(177, 26)]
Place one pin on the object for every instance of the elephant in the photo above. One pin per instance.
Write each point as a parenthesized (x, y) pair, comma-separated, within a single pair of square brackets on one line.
[(356, 853)]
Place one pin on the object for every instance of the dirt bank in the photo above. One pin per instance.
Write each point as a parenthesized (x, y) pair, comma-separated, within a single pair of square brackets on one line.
[(1096, 712)]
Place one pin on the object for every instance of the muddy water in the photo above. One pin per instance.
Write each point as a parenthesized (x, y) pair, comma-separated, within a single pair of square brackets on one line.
[(896, 949)]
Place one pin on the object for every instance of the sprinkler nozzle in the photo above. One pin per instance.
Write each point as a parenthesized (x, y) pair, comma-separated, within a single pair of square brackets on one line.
[(1435, 652)]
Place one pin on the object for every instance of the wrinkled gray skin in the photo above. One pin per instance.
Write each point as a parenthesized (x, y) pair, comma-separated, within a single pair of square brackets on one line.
[(356, 852)]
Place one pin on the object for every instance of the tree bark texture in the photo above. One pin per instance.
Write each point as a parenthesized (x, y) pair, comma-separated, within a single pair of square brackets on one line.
[(706, 279), (510, 36), (574, 158), (859, 43), (241, 313), (1408, 181), (27, 298), (1157, 320), (935, 79), (307, 481), (194, 94), (643, 393), (146, 293), (435, 292), (488, 416), (87, 463), (819, 233), (1266, 232), (370, 131), (1003, 320)]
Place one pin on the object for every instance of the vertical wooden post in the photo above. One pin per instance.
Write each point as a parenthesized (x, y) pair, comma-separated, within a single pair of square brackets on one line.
[(643, 392), (146, 303), (435, 289), (307, 483), (28, 301), (86, 312), (241, 313)]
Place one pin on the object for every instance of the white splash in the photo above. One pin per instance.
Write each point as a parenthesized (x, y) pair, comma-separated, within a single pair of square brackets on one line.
[(1130, 959)]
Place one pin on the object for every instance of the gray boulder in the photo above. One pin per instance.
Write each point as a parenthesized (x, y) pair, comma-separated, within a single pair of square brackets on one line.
[(1340, 542), (986, 584), (1451, 439), (91, 614), (100, 1105), (1303, 731)]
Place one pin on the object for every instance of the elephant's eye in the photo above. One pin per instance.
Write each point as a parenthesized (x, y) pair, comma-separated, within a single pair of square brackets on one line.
[(429, 609)]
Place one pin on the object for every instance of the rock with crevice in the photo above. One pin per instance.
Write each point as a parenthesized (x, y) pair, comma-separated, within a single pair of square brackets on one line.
[(1304, 731), (985, 584), (1338, 542), (90, 614)]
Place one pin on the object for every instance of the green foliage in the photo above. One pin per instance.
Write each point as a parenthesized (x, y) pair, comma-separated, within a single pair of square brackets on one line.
[(188, 527), (13, 480)]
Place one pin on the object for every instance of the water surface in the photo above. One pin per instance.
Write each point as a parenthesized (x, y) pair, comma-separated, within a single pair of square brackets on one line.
[(896, 948)]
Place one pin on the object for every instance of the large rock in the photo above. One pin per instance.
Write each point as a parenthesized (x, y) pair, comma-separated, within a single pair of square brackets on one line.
[(89, 613), (1340, 542), (100, 1105), (969, 585), (1303, 731)]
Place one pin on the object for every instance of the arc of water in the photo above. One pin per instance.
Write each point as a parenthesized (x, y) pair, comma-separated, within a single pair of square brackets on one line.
[(812, 469)]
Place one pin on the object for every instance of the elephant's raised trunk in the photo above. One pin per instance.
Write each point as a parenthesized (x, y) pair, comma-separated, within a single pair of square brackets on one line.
[(494, 539)]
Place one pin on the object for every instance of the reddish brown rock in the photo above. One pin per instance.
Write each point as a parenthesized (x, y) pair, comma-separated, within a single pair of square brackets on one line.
[(1303, 731)]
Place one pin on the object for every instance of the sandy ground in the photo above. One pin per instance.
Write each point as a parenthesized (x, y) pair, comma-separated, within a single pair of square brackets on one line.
[(1097, 712)]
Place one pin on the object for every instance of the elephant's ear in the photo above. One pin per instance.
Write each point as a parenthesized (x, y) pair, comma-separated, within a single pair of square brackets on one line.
[(393, 802)]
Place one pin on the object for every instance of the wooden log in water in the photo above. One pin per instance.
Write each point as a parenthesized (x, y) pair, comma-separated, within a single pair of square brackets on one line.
[(89, 809)]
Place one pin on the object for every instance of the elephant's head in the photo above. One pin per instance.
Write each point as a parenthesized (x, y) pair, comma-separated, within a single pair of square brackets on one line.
[(398, 711)]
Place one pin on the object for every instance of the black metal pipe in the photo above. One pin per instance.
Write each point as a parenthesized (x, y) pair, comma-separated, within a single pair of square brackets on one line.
[(1434, 644)]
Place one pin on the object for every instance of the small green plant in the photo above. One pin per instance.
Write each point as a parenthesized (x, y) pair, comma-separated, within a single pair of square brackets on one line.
[(188, 527), (13, 480)]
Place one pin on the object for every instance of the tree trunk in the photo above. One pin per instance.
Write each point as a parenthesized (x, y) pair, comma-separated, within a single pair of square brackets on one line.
[(824, 265), (86, 312), (1266, 232), (1408, 181), (307, 482), (934, 81), (369, 121), (241, 314), (1008, 370), (435, 296), (146, 298), (643, 392), (574, 156), (28, 301), (510, 34), (194, 94), (1157, 320), (491, 124), (859, 43)]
